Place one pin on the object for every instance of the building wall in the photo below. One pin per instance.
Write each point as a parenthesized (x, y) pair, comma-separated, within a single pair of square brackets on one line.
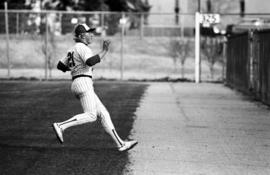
[(161, 7), (163, 13), (164, 7), (257, 6)]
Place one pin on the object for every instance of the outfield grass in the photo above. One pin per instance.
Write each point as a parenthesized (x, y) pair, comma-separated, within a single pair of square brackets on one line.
[(28, 144)]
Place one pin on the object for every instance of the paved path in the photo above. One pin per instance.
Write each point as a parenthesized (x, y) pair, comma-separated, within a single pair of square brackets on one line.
[(200, 129)]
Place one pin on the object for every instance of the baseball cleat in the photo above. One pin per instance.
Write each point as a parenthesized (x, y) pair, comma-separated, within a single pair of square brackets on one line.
[(59, 133), (128, 145)]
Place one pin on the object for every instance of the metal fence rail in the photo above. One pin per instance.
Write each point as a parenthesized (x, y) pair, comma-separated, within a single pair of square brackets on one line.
[(248, 63), (140, 49), (146, 46)]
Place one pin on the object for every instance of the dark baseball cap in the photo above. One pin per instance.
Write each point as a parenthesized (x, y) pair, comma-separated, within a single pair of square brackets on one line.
[(83, 28)]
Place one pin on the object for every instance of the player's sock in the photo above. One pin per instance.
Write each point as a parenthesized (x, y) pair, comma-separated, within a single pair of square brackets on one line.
[(119, 142), (77, 120), (109, 128)]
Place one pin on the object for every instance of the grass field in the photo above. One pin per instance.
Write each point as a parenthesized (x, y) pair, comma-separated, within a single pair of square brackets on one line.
[(28, 144)]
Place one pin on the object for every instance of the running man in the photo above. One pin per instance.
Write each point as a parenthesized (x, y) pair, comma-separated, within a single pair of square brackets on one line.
[(79, 60)]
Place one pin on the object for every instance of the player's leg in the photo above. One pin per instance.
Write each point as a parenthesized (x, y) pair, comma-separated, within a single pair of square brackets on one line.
[(109, 127), (84, 91), (89, 115), (107, 122)]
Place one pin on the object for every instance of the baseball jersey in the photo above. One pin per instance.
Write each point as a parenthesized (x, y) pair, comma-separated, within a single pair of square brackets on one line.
[(76, 60)]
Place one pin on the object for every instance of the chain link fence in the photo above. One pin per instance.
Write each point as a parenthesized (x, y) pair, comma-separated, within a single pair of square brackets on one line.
[(144, 46)]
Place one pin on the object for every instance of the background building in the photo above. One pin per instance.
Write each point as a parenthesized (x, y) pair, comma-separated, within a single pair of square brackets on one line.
[(258, 6), (163, 12)]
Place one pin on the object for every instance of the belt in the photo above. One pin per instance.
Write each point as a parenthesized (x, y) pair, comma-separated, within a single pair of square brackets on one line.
[(78, 76)]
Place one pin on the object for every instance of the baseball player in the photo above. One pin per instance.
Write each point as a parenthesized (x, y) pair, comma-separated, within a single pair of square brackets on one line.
[(79, 61)]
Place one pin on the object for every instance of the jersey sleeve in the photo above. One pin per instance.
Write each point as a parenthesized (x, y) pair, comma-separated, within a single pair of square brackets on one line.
[(84, 52), (64, 60), (63, 64)]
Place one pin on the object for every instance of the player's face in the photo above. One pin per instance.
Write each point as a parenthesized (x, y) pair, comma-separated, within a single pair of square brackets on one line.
[(89, 36)]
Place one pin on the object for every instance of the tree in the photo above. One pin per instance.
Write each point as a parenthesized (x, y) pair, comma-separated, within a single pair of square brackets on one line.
[(179, 50), (218, 6), (14, 4), (174, 47), (49, 48), (211, 45), (95, 5), (117, 5), (211, 49), (184, 50)]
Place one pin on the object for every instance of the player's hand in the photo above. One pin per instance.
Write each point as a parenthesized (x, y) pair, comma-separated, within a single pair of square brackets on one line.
[(106, 44)]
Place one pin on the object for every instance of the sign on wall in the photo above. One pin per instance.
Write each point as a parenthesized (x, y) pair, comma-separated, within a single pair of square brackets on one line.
[(209, 18)]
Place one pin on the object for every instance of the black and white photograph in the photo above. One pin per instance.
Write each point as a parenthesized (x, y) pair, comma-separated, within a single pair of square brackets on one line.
[(135, 87)]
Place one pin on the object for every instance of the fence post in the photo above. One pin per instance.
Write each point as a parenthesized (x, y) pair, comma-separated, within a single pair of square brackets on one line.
[(224, 57), (102, 21), (141, 26), (17, 23), (60, 21), (182, 27), (197, 48), (46, 46), (251, 60), (7, 37), (122, 43)]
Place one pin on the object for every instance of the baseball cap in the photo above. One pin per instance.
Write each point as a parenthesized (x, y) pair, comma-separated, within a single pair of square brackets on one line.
[(82, 28)]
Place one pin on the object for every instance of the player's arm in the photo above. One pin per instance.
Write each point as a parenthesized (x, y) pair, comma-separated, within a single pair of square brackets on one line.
[(66, 62), (61, 66), (98, 57)]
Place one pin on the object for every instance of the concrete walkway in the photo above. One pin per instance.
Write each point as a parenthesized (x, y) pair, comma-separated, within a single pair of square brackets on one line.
[(200, 129)]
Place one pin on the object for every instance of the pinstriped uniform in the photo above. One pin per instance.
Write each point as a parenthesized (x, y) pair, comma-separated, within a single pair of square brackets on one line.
[(78, 59), (82, 87), (79, 53)]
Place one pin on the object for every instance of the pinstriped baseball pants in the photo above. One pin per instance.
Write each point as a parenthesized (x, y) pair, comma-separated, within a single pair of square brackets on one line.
[(83, 89)]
